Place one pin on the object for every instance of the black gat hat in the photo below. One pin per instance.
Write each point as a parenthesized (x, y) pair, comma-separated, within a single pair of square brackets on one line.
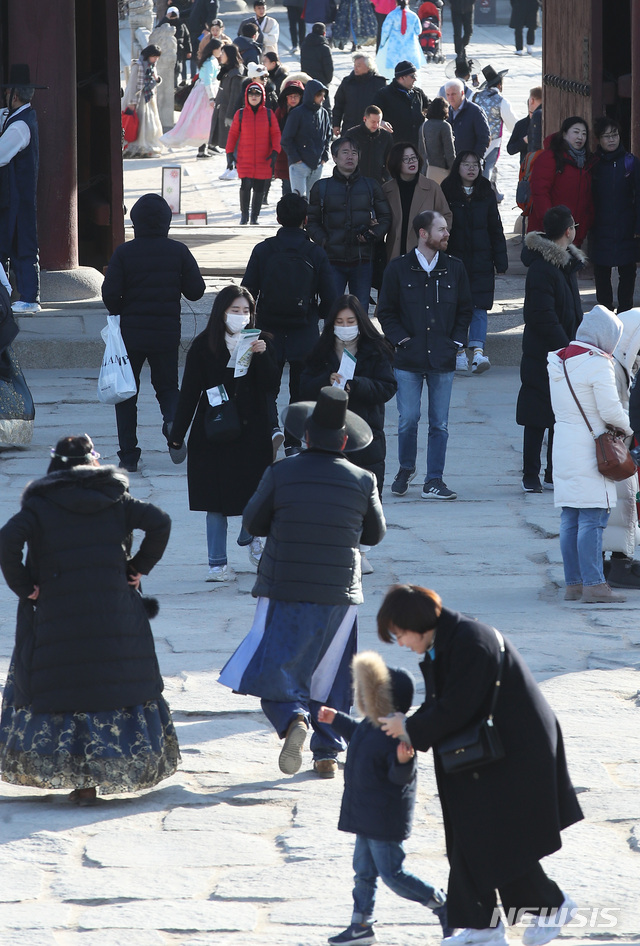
[(327, 421)]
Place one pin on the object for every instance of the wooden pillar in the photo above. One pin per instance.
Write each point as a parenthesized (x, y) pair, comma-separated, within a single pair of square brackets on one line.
[(43, 35), (635, 77)]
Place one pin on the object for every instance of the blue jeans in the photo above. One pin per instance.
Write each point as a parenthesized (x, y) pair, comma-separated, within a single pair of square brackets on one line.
[(217, 538), (384, 859), (408, 398), (478, 328), (581, 544), (302, 178), (325, 742), (357, 276)]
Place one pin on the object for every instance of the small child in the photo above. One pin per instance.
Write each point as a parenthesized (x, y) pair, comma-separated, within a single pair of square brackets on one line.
[(380, 779)]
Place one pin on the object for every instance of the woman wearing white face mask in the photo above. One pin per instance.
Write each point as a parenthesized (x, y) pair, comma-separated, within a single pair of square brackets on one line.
[(222, 476)]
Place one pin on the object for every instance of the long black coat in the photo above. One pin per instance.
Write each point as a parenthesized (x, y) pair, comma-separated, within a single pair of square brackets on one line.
[(225, 104), (552, 314), (371, 387), (615, 183), (509, 814), (316, 59), (86, 644), (146, 278), (403, 110), (524, 14), (477, 237), (353, 95), (223, 476)]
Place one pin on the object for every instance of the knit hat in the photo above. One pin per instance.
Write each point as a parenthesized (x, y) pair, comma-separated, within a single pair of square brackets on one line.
[(600, 328), (404, 68)]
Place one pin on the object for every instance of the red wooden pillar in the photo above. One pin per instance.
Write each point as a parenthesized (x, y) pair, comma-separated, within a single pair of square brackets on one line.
[(43, 35)]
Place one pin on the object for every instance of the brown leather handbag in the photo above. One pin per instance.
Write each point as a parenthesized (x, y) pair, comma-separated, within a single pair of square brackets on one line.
[(612, 454)]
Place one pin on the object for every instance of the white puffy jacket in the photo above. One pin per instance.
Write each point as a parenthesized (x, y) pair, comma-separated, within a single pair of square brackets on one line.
[(576, 479)]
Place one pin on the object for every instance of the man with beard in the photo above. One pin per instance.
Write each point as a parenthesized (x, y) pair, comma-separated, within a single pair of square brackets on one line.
[(425, 309)]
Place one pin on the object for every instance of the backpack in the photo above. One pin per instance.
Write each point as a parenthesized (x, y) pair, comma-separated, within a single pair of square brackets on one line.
[(241, 110), (289, 289), (523, 190)]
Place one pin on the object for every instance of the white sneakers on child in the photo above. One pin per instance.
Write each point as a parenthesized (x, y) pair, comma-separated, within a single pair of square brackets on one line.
[(255, 550), (480, 362)]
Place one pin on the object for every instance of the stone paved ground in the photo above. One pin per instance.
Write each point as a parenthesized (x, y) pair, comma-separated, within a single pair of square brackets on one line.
[(228, 852)]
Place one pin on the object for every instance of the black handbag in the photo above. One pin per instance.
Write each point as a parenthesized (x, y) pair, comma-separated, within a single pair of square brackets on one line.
[(222, 423), (478, 744)]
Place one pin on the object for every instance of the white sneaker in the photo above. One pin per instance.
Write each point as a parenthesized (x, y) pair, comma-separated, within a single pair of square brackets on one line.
[(545, 928), (255, 550), (218, 573), (530, 50), (480, 363), (462, 362), (519, 52), (22, 308), (229, 175), (295, 50), (489, 937)]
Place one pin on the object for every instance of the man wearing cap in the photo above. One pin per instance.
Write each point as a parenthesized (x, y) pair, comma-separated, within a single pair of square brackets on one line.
[(498, 113), (403, 104), (467, 120), (315, 509), (183, 41), (268, 28), (19, 155)]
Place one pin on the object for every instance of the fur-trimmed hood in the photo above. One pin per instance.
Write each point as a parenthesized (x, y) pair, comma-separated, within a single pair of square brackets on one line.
[(538, 244), (81, 489), (628, 347), (380, 690)]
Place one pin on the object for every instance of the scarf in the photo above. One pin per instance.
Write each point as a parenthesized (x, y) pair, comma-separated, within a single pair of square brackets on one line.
[(147, 79), (578, 156)]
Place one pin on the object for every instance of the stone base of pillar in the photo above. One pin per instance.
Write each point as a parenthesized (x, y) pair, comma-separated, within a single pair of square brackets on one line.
[(83, 283)]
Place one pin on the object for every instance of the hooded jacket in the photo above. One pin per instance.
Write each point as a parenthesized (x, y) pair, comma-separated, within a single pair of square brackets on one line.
[(316, 58), (307, 132), (256, 134), (281, 170), (379, 793), (146, 277), (552, 314), (86, 644)]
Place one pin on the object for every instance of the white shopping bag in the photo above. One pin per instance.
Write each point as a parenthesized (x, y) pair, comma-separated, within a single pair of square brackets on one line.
[(116, 381)]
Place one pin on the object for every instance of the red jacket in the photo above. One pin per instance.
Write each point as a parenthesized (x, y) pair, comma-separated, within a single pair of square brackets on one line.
[(256, 139), (571, 187)]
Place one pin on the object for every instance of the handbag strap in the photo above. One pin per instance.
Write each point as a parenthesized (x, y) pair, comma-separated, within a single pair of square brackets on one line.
[(498, 682), (586, 420)]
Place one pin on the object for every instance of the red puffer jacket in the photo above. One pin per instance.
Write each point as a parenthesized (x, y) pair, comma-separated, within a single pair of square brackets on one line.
[(256, 137), (571, 187)]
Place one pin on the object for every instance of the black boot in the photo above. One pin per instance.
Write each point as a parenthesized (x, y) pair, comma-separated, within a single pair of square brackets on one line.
[(256, 204), (245, 199), (265, 194), (623, 573)]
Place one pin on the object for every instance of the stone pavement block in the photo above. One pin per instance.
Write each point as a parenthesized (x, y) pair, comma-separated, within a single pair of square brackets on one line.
[(41, 849), (105, 937), (117, 883), (32, 915), (243, 818), (174, 916), (29, 937), (21, 883), (170, 849)]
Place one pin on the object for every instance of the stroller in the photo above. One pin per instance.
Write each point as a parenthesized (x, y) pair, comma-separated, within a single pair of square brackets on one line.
[(430, 38)]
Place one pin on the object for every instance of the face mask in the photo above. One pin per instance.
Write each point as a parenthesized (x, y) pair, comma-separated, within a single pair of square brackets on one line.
[(236, 323), (346, 333)]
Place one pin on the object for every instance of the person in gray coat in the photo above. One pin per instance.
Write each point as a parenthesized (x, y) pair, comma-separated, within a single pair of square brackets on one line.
[(315, 509), (436, 145)]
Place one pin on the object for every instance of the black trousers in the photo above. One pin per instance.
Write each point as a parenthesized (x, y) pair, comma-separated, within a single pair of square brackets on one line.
[(380, 18), (531, 36), (462, 30), (297, 26), (249, 185), (626, 285), (164, 378), (532, 445), (469, 906)]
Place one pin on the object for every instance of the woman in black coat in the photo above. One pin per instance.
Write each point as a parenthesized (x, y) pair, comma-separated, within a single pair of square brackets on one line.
[(500, 819), (223, 475), (477, 238), (230, 77), (614, 236), (552, 314), (83, 705)]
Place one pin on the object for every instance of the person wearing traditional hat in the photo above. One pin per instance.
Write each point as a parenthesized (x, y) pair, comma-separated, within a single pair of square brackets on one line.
[(498, 113), (403, 104), (19, 157), (315, 509), (466, 70)]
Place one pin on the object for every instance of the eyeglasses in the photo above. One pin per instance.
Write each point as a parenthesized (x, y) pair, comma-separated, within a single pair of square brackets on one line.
[(410, 160), (611, 135)]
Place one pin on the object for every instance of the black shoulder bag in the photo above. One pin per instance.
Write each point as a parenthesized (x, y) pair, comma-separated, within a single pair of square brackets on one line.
[(479, 744)]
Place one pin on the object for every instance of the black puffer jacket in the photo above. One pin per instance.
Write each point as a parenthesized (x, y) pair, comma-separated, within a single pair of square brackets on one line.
[(424, 314), (371, 387), (316, 59), (315, 510), (403, 110), (146, 277), (86, 644), (341, 207), (477, 237), (374, 150), (379, 793), (552, 314), (353, 95)]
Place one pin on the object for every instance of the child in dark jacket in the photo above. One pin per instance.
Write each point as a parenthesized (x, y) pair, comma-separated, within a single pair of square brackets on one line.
[(380, 779)]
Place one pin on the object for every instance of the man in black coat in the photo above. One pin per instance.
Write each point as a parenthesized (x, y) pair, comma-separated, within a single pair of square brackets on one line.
[(521, 135), (425, 309), (462, 12), (315, 510), (291, 281), (374, 144), (348, 215), (315, 55), (143, 285), (552, 314), (403, 104), (355, 92), (468, 121), (183, 39)]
